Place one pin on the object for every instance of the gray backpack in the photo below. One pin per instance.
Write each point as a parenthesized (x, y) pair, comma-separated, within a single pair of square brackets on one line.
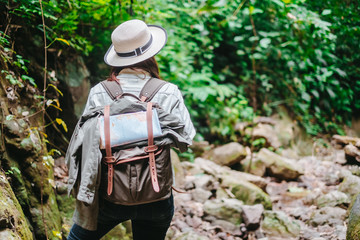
[(140, 174)]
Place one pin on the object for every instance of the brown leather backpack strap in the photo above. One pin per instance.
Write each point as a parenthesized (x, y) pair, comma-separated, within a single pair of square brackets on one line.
[(109, 158), (151, 148), (177, 190), (151, 87)]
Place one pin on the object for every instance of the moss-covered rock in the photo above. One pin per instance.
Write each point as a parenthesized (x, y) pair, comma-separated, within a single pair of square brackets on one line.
[(332, 199), (12, 128), (121, 231), (245, 187), (12, 218), (267, 132), (46, 218), (350, 185), (353, 231), (75, 75), (227, 154), (22, 154), (257, 168), (332, 216), (278, 224), (66, 207), (247, 192), (223, 173), (225, 209), (31, 175), (278, 166)]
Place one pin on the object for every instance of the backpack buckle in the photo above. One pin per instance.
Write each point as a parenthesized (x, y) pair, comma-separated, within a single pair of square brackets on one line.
[(151, 148), (109, 160)]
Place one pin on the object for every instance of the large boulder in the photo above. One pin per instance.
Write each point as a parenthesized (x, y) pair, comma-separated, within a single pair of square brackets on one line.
[(207, 182), (278, 166), (333, 199), (191, 168), (30, 171), (201, 181), (200, 195), (256, 180), (258, 167), (247, 192), (353, 231), (277, 224), (352, 153), (267, 132), (328, 215), (350, 185), (227, 154), (198, 148), (278, 130), (241, 185), (342, 141), (285, 127), (202, 165), (76, 76), (225, 209), (224, 225)]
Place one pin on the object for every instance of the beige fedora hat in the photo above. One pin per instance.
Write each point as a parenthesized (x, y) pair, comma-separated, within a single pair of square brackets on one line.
[(133, 41)]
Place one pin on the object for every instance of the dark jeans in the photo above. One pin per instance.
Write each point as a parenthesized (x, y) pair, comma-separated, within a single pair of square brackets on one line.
[(149, 221)]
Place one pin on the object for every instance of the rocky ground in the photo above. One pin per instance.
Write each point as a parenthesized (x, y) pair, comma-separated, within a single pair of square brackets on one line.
[(304, 198), (284, 196)]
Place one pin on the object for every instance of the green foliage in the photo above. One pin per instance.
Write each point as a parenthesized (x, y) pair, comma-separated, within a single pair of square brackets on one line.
[(277, 52), (259, 143), (18, 63), (231, 59)]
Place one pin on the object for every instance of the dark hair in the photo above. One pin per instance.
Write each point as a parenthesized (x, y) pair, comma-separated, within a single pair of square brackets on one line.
[(149, 65)]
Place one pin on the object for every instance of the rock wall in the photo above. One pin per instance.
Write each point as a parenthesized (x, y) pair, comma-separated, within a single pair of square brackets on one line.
[(29, 198), (75, 77), (27, 163), (13, 223)]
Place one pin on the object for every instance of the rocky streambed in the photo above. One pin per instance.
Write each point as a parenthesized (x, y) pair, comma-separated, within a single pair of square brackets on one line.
[(229, 194), (281, 198)]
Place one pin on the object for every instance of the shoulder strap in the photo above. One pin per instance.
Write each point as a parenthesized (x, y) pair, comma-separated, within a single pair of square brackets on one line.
[(113, 88), (151, 87)]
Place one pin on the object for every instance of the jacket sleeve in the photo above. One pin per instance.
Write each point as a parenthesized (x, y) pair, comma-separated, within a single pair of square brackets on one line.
[(73, 156), (179, 109), (97, 97), (90, 162)]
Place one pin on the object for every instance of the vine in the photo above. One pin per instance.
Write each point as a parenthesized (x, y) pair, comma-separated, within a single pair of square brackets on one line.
[(254, 88), (43, 108)]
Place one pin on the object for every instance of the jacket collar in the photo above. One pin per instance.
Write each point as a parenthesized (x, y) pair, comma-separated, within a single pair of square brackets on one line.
[(134, 72)]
